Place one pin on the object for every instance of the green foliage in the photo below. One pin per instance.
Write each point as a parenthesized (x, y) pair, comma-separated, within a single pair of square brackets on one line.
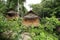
[(2, 7), (43, 32), (47, 8)]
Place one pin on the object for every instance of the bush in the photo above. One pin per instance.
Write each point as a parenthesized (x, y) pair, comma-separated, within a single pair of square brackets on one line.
[(11, 29)]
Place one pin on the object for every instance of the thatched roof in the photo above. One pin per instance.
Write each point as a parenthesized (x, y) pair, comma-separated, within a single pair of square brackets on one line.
[(11, 11), (31, 14)]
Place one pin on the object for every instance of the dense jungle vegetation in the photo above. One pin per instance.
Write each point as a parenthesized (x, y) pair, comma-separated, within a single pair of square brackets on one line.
[(48, 11)]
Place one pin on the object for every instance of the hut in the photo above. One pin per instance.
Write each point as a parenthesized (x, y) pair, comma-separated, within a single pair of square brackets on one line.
[(30, 19), (12, 14)]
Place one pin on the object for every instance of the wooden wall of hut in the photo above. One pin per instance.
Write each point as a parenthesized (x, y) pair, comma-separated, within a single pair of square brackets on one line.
[(30, 22)]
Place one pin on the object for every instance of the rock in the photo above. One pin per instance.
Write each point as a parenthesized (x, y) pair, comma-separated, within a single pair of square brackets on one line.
[(26, 36)]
